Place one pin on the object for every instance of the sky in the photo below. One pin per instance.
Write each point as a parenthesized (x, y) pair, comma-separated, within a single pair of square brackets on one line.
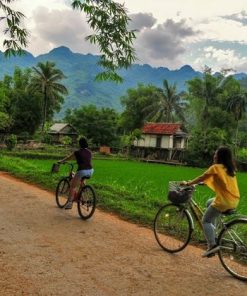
[(171, 33)]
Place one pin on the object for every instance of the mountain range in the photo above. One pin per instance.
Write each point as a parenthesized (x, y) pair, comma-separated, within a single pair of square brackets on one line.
[(80, 71)]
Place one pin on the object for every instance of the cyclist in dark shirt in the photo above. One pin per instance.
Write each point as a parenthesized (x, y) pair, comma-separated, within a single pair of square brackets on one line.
[(83, 157)]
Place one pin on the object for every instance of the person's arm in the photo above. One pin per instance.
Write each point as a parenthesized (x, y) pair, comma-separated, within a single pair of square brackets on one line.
[(69, 157), (197, 180)]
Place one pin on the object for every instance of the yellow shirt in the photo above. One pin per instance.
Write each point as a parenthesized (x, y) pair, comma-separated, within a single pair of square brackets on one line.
[(225, 187)]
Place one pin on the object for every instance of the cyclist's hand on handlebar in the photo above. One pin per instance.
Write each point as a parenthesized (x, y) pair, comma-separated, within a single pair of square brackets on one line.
[(183, 183)]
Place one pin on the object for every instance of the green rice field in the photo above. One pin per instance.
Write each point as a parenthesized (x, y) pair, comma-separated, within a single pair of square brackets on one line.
[(134, 190)]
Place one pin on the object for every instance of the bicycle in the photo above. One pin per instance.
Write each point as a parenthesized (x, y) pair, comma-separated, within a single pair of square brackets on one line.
[(174, 224), (85, 196)]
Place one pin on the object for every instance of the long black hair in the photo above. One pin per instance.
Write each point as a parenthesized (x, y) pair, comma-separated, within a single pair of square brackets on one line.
[(83, 142), (224, 156)]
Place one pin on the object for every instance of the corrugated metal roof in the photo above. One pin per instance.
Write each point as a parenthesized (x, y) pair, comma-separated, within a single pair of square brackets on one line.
[(161, 128), (62, 128), (57, 127)]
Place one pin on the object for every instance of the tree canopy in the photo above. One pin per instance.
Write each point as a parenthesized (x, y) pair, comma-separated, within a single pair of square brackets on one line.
[(98, 125), (20, 110)]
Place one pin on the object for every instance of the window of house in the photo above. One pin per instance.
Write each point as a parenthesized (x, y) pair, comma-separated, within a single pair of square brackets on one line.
[(158, 141), (178, 142)]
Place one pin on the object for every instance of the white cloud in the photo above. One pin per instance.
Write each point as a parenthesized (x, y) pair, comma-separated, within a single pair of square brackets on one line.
[(141, 20), (162, 45), (53, 28), (221, 29), (221, 59)]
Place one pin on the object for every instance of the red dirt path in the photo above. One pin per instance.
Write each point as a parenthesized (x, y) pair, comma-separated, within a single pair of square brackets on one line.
[(48, 251)]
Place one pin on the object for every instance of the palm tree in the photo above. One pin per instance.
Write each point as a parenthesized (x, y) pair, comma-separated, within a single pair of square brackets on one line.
[(167, 107), (46, 81), (207, 90), (237, 105)]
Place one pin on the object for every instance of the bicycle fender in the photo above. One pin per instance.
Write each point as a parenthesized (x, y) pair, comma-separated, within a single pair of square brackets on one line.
[(191, 219), (236, 220)]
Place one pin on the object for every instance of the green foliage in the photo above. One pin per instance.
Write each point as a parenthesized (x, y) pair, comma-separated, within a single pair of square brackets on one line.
[(16, 35), (217, 104), (45, 81), (46, 138), (202, 146), (20, 110), (242, 154), (66, 140), (168, 108), (24, 136), (11, 142), (109, 21), (135, 103), (99, 125)]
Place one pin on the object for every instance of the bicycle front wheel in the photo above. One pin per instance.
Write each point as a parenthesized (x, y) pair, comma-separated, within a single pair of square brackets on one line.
[(86, 203), (62, 192), (172, 228), (233, 248)]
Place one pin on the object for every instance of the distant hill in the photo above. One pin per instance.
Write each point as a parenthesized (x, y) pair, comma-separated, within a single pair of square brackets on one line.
[(81, 70)]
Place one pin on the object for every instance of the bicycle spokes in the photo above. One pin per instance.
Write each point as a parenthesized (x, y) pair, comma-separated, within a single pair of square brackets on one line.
[(87, 202), (233, 249)]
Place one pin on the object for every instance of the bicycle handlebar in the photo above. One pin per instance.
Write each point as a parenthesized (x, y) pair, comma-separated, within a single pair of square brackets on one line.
[(68, 163)]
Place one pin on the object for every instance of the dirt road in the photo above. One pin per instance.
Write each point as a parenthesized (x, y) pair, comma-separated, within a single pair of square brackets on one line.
[(48, 251)]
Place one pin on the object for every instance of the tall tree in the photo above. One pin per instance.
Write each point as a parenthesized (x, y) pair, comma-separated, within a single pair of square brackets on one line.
[(99, 125), (135, 103), (5, 115), (237, 105), (46, 81), (107, 18), (20, 110), (169, 106)]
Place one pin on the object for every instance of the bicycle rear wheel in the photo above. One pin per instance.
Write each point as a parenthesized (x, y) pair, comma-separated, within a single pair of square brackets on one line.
[(172, 228), (62, 192), (86, 203), (233, 248)]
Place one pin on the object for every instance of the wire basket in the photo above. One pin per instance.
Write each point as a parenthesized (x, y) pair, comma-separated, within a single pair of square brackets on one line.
[(178, 194), (55, 168)]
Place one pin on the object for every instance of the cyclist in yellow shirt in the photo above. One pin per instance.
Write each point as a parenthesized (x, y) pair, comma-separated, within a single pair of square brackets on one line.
[(221, 178)]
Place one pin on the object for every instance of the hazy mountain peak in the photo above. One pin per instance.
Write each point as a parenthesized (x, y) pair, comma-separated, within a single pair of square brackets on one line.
[(61, 50), (187, 68)]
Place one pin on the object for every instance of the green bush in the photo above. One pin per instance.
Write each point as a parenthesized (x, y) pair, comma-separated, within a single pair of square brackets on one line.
[(202, 146), (66, 140), (24, 136), (11, 142)]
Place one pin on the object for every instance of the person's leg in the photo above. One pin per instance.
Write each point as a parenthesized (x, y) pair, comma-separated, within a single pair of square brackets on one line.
[(208, 221), (209, 201), (73, 184)]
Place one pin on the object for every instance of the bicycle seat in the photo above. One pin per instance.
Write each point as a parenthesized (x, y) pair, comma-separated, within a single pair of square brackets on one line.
[(229, 212), (85, 177)]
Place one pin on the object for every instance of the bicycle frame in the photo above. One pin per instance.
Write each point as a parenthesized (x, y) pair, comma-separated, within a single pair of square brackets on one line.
[(196, 212)]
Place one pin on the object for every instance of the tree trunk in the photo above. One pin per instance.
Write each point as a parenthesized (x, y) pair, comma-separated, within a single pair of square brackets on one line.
[(44, 111)]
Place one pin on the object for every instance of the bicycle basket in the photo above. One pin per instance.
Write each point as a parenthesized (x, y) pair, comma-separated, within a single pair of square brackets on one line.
[(179, 194), (55, 168)]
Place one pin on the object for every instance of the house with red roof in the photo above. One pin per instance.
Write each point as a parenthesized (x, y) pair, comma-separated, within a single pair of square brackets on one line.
[(161, 141)]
